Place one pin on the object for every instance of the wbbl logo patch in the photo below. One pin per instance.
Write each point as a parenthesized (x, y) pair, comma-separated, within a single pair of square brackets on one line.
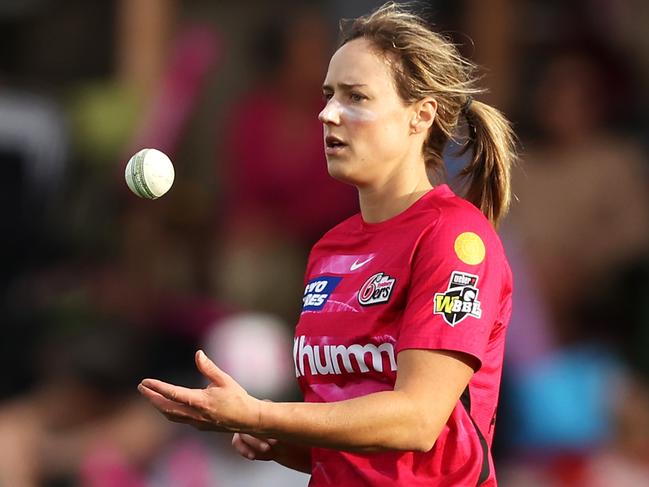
[(318, 291), (460, 299), (376, 290)]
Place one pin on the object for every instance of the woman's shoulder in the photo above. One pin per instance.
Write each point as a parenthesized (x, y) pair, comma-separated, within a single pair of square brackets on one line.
[(457, 222), (450, 212)]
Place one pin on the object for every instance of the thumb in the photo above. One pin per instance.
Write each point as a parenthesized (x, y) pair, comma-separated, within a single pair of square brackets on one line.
[(210, 370)]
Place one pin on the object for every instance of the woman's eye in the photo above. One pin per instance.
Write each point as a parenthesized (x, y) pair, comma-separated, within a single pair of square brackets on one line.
[(356, 97), (327, 96)]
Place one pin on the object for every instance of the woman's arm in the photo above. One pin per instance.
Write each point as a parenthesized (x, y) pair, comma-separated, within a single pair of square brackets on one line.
[(429, 384)]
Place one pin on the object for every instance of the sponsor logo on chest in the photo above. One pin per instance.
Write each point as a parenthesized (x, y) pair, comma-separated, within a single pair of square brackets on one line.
[(339, 359), (318, 291), (376, 290)]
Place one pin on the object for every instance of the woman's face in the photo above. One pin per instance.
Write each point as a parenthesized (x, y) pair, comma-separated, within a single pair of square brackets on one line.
[(366, 123)]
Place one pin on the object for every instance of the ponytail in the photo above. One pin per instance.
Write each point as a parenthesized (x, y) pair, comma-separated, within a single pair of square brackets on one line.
[(425, 63), (487, 175)]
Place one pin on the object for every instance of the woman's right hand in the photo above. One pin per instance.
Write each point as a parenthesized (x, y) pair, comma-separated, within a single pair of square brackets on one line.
[(254, 448)]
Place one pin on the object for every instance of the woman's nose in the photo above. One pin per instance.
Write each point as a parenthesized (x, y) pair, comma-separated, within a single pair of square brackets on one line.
[(330, 113)]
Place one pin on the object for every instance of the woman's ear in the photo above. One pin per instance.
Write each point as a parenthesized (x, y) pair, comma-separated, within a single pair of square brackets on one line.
[(423, 115)]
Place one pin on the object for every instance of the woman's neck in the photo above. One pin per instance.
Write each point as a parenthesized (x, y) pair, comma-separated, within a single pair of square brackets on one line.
[(382, 202)]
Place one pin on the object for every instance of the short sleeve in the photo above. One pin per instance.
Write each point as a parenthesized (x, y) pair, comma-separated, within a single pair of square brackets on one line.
[(455, 289)]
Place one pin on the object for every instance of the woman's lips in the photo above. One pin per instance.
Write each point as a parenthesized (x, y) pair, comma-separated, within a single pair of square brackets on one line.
[(334, 145)]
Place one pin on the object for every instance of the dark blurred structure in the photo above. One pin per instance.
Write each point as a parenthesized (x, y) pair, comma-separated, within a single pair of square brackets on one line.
[(99, 288), (578, 235), (279, 197)]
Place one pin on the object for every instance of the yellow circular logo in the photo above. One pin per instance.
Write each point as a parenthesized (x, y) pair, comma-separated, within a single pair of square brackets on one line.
[(469, 248)]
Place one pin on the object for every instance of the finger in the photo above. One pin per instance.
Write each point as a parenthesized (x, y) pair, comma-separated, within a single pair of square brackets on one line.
[(191, 397), (210, 370), (241, 447), (173, 410), (166, 406), (256, 444), (179, 413)]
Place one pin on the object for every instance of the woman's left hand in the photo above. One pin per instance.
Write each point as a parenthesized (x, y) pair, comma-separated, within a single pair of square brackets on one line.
[(222, 406)]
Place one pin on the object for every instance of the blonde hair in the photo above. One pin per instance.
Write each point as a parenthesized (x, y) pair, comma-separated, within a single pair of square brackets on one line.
[(427, 64)]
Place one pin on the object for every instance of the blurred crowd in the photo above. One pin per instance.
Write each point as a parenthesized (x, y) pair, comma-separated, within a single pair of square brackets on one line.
[(100, 288)]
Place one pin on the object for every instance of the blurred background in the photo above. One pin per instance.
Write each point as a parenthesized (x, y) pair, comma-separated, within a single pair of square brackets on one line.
[(99, 288)]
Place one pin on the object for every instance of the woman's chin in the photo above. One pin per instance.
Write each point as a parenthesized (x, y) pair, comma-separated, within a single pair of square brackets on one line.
[(341, 172)]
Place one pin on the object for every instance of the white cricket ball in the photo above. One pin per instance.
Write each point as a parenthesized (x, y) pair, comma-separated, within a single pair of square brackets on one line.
[(149, 173)]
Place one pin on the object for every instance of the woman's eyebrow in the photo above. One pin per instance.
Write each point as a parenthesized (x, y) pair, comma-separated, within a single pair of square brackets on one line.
[(344, 86)]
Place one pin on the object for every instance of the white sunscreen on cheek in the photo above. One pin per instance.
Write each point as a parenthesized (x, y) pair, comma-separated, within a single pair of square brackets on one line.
[(357, 114)]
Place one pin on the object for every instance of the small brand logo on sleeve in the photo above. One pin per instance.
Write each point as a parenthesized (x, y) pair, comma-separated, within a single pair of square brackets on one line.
[(318, 291), (460, 299), (469, 248)]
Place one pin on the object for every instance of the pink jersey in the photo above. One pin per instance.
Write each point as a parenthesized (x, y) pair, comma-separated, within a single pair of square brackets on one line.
[(432, 277)]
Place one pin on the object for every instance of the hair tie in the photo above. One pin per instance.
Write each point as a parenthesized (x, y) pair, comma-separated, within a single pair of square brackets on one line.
[(469, 120), (467, 105)]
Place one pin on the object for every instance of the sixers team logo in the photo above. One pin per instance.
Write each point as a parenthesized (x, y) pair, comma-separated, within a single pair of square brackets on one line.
[(460, 299), (376, 290), (318, 291)]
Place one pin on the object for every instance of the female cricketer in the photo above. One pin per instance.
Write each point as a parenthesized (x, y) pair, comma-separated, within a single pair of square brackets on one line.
[(399, 346)]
